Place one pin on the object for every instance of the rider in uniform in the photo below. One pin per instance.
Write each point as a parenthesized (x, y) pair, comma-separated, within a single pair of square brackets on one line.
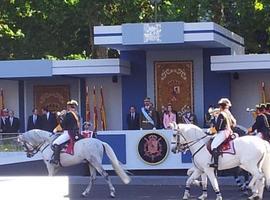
[(222, 125), (261, 123), (70, 124)]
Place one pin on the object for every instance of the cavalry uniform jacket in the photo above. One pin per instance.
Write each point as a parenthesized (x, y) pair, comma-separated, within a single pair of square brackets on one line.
[(71, 123)]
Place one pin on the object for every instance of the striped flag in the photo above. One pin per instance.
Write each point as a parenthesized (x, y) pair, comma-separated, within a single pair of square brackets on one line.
[(95, 118), (263, 94), (2, 105), (102, 111), (87, 106)]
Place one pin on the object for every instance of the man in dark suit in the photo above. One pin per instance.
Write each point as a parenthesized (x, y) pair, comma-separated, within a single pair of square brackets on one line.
[(4, 121), (13, 123), (48, 121), (34, 120), (133, 119)]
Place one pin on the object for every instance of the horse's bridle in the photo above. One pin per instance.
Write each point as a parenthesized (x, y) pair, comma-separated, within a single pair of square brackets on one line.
[(182, 147), (31, 152)]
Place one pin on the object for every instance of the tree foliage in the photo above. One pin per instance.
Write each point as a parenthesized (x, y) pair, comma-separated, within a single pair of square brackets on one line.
[(62, 29)]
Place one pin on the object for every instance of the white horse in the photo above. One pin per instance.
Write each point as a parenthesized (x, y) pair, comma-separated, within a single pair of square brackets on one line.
[(88, 150), (252, 154)]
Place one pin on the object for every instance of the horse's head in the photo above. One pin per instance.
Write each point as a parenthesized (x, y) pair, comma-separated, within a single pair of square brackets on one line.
[(185, 136), (31, 142), (178, 141)]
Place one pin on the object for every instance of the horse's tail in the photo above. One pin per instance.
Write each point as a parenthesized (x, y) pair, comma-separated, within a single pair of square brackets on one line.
[(115, 163), (266, 165)]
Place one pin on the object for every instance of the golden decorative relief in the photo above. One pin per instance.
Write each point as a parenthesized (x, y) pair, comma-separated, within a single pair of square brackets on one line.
[(174, 84), (54, 97)]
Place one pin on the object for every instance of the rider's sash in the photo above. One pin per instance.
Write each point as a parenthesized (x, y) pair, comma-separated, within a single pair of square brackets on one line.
[(146, 115)]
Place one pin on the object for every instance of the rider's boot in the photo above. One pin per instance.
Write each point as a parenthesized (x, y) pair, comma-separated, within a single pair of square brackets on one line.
[(215, 154), (56, 157)]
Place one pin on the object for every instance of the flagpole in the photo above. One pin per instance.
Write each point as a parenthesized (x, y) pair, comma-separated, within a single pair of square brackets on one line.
[(102, 111), (2, 105), (87, 102), (95, 120), (263, 100)]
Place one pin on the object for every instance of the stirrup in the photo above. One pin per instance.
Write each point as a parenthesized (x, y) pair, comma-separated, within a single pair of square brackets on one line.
[(53, 161), (214, 165)]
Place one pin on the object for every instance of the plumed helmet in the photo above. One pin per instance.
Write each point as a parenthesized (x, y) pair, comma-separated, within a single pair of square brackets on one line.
[(72, 102), (225, 101)]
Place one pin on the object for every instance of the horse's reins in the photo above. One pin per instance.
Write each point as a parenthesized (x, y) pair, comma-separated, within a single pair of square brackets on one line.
[(34, 150), (187, 145)]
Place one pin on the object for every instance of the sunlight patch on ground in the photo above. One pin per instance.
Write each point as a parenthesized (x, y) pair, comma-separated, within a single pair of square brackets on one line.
[(34, 187)]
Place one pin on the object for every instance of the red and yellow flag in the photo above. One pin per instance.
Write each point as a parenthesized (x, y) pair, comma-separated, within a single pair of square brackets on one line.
[(102, 111), (95, 117), (2, 105), (87, 106), (263, 94)]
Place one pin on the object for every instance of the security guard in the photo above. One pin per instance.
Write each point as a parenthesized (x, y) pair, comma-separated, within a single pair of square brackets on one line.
[(222, 126), (70, 125), (261, 124)]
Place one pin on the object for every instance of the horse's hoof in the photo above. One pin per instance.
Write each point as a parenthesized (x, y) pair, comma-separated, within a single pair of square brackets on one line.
[(112, 194), (202, 197), (254, 198), (84, 195)]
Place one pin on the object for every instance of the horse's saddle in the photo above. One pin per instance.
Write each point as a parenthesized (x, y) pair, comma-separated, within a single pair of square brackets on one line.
[(227, 147), (68, 147)]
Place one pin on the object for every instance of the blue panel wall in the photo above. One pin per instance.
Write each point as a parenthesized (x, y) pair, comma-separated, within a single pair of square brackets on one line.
[(118, 144), (133, 86), (216, 84), (21, 106)]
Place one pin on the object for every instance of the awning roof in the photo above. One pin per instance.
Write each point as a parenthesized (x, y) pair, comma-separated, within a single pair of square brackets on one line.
[(240, 62), (47, 68), (143, 36)]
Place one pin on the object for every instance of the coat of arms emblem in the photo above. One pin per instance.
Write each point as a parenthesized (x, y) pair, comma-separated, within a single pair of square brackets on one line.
[(153, 148)]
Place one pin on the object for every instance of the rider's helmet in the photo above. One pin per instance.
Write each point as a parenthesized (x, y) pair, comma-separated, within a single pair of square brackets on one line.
[(72, 102), (225, 101)]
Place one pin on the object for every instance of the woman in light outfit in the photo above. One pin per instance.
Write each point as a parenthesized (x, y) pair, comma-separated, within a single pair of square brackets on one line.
[(222, 125)]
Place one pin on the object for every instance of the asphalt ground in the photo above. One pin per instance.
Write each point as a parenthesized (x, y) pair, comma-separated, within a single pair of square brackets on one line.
[(141, 188)]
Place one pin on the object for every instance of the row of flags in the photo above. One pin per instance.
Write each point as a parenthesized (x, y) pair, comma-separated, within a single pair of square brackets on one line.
[(95, 109)]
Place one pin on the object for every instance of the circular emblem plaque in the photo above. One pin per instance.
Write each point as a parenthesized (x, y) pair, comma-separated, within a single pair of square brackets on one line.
[(153, 148)]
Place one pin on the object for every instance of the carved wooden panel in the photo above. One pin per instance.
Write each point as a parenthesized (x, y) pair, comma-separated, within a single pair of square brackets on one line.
[(174, 84), (54, 97)]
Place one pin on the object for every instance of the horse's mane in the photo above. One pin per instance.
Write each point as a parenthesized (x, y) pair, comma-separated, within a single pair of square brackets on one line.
[(189, 129), (37, 136)]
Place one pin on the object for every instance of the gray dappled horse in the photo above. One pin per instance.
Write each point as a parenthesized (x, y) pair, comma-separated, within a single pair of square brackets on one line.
[(87, 150)]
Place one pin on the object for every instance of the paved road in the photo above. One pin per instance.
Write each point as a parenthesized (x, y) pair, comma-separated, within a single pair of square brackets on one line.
[(141, 188), (157, 188), (156, 192)]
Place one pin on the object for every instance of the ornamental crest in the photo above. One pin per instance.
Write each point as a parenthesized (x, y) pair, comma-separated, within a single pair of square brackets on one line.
[(152, 32), (153, 148)]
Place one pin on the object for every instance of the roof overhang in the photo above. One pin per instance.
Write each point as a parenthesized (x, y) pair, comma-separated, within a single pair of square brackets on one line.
[(143, 36), (47, 68), (240, 62)]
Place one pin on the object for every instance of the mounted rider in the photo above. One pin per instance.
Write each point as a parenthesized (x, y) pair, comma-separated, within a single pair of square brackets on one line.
[(70, 125), (261, 124), (223, 124)]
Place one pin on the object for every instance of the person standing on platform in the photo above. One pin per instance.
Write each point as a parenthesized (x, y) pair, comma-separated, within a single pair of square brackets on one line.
[(148, 117), (133, 119), (34, 120), (14, 123), (4, 121), (48, 121), (188, 117), (169, 117)]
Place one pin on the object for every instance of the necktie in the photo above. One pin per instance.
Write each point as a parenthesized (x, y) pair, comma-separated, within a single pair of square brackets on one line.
[(11, 120)]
